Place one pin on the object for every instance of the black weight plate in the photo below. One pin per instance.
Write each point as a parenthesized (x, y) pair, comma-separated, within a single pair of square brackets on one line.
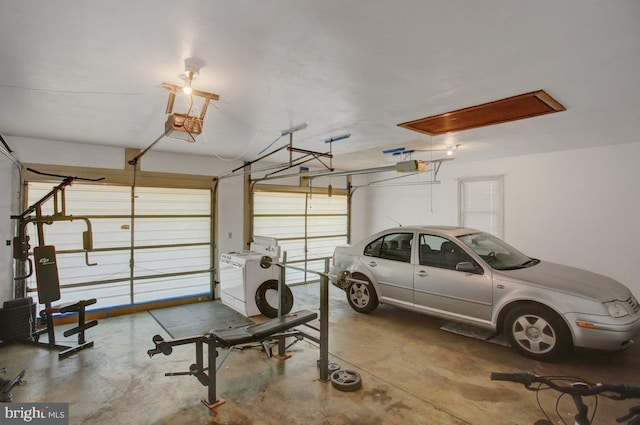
[(333, 367), (346, 380)]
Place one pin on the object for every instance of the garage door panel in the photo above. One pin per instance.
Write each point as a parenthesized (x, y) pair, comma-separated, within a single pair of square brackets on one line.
[(308, 227), (148, 290), (180, 217)]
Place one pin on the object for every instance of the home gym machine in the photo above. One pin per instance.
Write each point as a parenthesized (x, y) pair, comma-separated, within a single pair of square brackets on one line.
[(46, 268)]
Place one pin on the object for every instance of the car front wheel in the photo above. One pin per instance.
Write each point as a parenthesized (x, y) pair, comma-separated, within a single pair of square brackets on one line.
[(362, 298), (537, 332)]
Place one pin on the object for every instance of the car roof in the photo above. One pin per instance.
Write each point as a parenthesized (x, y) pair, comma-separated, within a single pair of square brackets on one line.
[(452, 231)]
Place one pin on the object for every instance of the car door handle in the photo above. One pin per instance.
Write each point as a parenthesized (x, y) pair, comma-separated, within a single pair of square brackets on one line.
[(422, 273), (372, 264)]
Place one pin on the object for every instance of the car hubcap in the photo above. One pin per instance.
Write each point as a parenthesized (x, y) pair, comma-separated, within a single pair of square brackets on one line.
[(534, 334), (359, 295)]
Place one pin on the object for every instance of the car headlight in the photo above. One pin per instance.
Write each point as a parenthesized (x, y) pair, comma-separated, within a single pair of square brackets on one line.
[(616, 309)]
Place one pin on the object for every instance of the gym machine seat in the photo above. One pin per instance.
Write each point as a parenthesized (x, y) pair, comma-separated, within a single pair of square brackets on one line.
[(49, 291)]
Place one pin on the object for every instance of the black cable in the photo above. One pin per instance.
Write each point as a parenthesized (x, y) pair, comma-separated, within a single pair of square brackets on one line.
[(572, 378), (537, 390), (595, 409), (6, 146), (558, 408), (64, 177)]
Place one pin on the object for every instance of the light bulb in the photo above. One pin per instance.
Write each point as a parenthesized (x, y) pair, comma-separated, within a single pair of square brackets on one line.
[(449, 152), (187, 90)]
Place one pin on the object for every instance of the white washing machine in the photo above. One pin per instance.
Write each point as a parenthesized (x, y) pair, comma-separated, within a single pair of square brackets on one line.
[(241, 275)]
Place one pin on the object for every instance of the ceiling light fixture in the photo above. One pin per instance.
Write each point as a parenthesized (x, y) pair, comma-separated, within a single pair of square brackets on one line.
[(181, 126), (190, 73), (184, 126)]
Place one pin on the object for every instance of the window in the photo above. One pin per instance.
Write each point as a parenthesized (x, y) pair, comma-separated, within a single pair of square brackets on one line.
[(497, 253), (436, 251), (481, 204), (308, 226), (394, 246)]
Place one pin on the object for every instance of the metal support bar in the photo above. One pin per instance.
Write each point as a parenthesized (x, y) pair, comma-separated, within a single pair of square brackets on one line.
[(199, 357), (174, 89), (313, 153), (298, 161), (50, 330), (281, 280), (324, 323), (256, 160), (134, 160), (212, 400)]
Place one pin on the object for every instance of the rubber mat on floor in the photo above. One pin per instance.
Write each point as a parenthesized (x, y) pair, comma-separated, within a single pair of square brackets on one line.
[(197, 318), (475, 332)]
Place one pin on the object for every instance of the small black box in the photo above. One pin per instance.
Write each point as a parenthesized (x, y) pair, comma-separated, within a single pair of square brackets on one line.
[(17, 320)]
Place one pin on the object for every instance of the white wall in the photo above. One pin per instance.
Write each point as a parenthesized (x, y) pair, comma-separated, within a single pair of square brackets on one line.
[(579, 207), (230, 209), (7, 193)]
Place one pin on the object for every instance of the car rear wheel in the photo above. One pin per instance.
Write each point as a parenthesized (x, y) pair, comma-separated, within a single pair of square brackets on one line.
[(362, 298), (537, 332)]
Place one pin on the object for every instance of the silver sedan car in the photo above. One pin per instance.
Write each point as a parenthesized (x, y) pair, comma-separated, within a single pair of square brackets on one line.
[(472, 277)]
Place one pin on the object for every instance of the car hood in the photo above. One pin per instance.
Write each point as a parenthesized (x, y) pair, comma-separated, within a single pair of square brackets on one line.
[(571, 280)]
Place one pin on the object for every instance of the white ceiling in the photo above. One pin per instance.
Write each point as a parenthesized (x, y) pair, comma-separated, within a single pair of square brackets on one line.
[(91, 72)]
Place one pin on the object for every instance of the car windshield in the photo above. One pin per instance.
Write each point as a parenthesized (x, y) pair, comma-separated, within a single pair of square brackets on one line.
[(497, 253)]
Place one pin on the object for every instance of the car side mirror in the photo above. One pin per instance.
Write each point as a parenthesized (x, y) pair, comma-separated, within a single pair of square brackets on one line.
[(466, 266)]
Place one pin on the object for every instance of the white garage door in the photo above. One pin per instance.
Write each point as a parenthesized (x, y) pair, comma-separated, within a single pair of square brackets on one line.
[(308, 227), (170, 234)]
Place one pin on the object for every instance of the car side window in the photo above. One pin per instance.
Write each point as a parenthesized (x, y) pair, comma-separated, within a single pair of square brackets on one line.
[(394, 246), (436, 251), (373, 249)]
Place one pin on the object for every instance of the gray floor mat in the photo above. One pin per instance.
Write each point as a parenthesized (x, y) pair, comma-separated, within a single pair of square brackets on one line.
[(474, 332), (197, 318)]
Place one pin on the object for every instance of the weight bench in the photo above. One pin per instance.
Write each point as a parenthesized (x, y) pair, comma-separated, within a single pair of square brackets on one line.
[(278, 328)]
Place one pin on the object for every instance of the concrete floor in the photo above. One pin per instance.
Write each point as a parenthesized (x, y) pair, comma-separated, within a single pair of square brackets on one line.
[(412, 373)]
